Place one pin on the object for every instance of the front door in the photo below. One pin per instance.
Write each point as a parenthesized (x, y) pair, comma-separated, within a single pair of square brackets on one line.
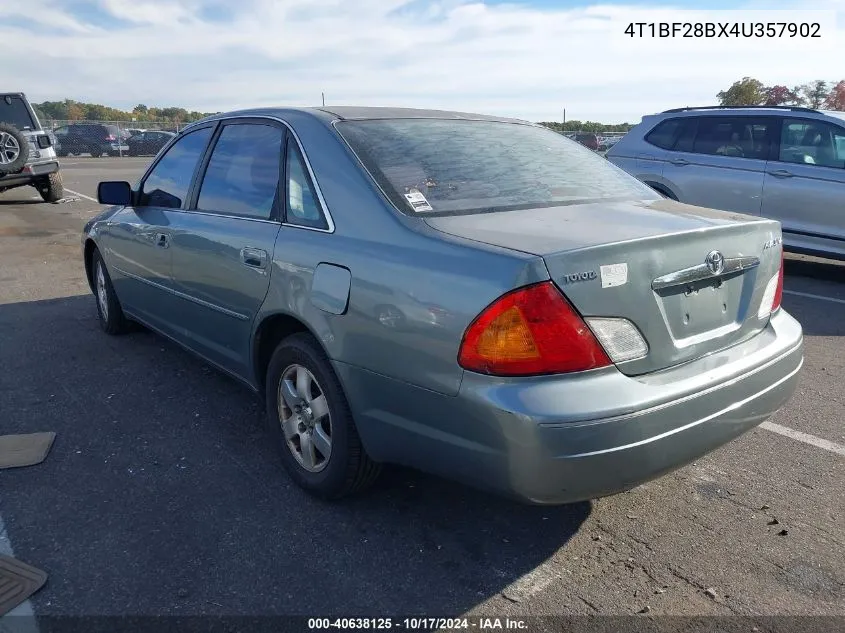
[(138, 238), (223, 247)]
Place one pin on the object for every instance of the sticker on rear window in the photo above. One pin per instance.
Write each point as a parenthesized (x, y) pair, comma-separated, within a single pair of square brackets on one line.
[(614, 275), (417, 200)]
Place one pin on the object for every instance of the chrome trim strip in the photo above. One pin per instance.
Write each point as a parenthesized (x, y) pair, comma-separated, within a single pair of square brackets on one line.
[(325, 207), (702, 272), (231, 216), (182, 295)]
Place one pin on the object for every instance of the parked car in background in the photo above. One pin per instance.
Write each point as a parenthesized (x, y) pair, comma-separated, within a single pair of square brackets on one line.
[(606, 142), (588, 140), (27, 156), (96, 139), (472, 296), (148, 143), (785, 163)]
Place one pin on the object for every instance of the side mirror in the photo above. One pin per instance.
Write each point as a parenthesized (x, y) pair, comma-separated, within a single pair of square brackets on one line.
[(115, 192)]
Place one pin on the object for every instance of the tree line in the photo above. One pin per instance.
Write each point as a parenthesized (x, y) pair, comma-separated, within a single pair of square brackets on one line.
[(586, 126), (69, 110), (818, 94)]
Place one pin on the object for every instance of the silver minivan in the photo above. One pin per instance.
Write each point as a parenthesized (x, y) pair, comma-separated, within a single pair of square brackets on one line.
[(786, 163)]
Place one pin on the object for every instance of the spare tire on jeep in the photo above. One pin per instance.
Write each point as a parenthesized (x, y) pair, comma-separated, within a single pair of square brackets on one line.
[(14, 149)]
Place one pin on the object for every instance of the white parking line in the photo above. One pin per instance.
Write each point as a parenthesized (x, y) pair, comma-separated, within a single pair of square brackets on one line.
[(812, 440), (82, 195), (812, 296)]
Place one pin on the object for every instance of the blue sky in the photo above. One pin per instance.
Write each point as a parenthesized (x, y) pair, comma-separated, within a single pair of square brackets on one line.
[(523, 58)]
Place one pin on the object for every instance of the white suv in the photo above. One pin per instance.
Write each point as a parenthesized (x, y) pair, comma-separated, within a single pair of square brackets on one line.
[(27, 156), (785, 163)]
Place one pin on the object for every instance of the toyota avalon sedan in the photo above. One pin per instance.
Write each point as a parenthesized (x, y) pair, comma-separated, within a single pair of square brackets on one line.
[(476, 297)]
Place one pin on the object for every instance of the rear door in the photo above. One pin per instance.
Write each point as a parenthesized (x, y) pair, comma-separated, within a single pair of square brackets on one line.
[(805, 184), (138, 239), (223, 247), (720, 161)]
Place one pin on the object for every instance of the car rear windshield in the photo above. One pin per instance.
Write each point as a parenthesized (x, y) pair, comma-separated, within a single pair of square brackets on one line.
[(439, 166), (13, 110)]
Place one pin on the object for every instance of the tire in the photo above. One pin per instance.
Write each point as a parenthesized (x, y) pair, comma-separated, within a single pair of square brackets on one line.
[(95, 152), (62, 154), (51, 188), (345, 468), (14, 149), (112, 320)]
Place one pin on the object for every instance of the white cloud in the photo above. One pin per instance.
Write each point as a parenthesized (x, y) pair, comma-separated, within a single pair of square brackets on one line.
[(513, 60)]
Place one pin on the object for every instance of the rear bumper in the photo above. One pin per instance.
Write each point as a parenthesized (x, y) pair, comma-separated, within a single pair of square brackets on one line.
[(564, 439), (30, 172)]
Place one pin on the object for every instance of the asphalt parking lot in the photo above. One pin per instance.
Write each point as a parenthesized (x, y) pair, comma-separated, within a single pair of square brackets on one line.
[(161, 494)]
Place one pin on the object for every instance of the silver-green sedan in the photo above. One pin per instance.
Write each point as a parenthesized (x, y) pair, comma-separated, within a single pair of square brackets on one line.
[(476, 297)]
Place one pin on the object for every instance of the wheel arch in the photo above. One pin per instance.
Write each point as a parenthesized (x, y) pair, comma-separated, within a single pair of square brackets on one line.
[(88, 256), (662, 189), (271, 330)]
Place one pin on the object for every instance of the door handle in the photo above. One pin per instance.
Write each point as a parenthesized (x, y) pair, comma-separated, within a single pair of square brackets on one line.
[(162, 240), (680, 162), (781, 173), (254, 257)]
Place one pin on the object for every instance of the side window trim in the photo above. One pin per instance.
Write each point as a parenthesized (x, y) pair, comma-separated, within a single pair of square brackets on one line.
[(139, 185), (196, 185), (309, 175), (291, 134)]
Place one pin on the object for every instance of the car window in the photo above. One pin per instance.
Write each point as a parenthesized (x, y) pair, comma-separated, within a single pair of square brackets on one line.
[(740, 137), (301, 206), (665, 133), (459, 166), (169, 181), (13, 110), (812, 143), (242, 177)]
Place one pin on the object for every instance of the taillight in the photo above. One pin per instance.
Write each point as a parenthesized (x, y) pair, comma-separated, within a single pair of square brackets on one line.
[(779, 291), (111, 137), (773, 293), (530, 331)]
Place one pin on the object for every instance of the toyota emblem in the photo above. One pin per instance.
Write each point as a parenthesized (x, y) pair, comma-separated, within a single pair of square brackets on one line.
[(715, 262)]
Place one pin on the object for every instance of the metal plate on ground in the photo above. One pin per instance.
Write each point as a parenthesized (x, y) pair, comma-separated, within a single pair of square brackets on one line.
[(25, 449), (18, 581)]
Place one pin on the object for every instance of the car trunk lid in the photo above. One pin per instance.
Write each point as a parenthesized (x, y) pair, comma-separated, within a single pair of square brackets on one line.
[(648, 262)]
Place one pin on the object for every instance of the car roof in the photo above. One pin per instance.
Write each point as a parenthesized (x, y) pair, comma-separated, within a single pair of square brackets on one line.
[(784, 111), (358, 113)]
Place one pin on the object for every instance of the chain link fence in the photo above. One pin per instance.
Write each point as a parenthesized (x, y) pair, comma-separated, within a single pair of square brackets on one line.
[(126, 126)]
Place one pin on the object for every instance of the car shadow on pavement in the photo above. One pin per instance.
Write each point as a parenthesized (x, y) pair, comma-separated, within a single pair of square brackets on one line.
[(162, 495), (827, 270), (9, 202)]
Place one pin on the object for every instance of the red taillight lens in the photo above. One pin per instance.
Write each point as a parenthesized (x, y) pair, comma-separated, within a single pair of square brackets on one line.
[(779, 291), (530, 331), (111, 137)]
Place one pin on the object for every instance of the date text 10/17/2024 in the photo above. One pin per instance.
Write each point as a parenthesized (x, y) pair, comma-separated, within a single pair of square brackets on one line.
[(418, 623), (710, 30)]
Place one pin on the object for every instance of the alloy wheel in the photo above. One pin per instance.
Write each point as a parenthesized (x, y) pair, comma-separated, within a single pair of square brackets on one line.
[(305, 418), (102, 292), (10, 149)]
